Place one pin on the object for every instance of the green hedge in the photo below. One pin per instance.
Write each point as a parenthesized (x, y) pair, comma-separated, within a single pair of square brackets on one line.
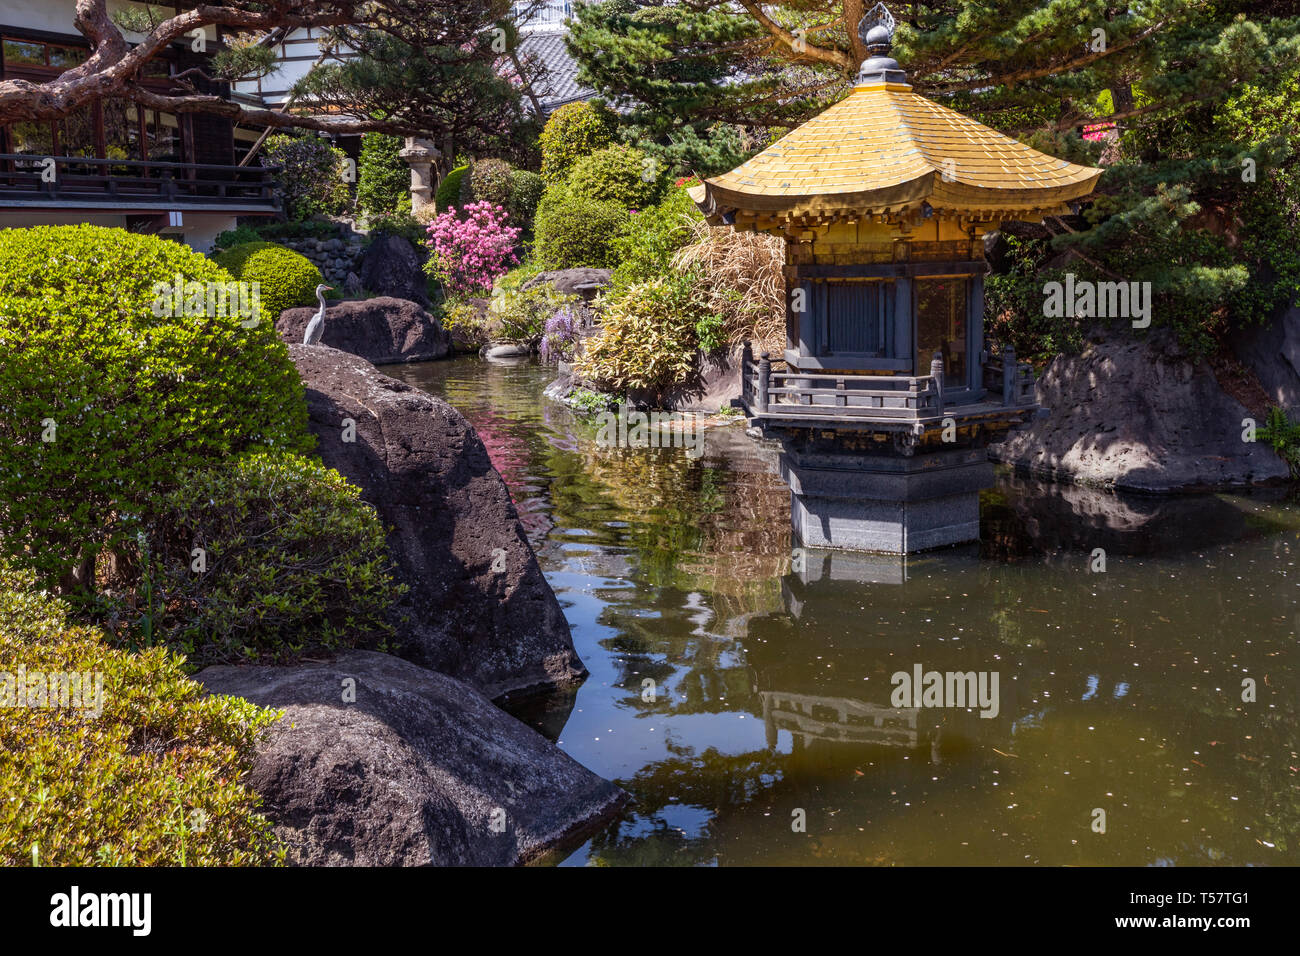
[(156, 778), (448, 193), (490, 181), (287, 278), (105, 400), (574, 231), (292, 559), (618, 174)]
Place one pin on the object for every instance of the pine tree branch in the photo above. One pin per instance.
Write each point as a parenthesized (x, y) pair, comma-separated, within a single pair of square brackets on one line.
[(810, 51), (1006, 79)]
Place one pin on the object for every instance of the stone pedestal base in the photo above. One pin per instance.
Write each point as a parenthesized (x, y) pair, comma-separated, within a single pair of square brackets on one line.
[(886, 503)]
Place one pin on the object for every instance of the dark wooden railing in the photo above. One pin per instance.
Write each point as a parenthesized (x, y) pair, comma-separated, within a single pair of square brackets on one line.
[(773, 392), (1016, 389), (78, 180)]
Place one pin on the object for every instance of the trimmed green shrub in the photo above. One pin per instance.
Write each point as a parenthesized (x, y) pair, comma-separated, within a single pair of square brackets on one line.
[(236, 236), (490, 181), (156, 778), (619, 174), (449, 190), (287, 278), (292, 560), (311, 179), (573, 131), (310, 229), (525, 193), (644, 247), (647, 337), (383, 177), (106, 399), (574, 231)]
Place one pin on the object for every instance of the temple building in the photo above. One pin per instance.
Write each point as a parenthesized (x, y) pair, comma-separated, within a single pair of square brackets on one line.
[(886, 393)]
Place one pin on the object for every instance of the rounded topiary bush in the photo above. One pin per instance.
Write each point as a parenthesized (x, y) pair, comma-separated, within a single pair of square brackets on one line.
[(526, 190), (618, 174), (573, 230), (449, 190), (490, 181), (289, 558), (573, 131), (148, 770), (107, 393), (287, 279)]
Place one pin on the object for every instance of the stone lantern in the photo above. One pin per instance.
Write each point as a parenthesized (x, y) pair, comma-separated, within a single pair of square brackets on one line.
[(884, 396), (421, 155)]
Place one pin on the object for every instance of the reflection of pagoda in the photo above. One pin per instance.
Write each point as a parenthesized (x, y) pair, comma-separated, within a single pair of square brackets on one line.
[(821, 668), (883, 398), (838, 719)]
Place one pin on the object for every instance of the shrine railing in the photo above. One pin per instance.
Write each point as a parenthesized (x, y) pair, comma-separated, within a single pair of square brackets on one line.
[(771, 390)]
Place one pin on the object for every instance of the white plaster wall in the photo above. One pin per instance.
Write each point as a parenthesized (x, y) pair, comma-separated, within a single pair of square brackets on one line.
[(56, 16)]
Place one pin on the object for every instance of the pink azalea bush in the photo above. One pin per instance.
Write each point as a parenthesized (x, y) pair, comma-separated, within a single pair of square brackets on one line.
[(471, 247)]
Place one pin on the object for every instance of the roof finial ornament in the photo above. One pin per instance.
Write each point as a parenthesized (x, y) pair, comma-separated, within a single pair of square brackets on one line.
[(876, 30)]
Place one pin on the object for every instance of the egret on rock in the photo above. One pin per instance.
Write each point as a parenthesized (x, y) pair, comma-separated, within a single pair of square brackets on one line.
[(316, 327)]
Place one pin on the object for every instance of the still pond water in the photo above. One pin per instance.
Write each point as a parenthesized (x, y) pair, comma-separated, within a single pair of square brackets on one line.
[(1119, 691)]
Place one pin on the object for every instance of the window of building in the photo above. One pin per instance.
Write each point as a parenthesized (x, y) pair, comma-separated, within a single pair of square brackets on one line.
[(23, 53), (941, 308)]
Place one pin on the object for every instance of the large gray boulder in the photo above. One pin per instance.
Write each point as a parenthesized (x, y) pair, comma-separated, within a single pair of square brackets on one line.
[(391, 266), (377, 762), (479, 608), (1138, 415), (583, 281), (715, 385), (1272, 352), (382, 330)]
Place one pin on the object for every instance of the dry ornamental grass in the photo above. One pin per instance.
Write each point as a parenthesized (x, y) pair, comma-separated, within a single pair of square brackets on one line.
[(742, 281)]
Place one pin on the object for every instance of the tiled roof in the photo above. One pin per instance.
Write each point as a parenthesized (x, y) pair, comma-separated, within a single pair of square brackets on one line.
[(558, 83), (884, 150)]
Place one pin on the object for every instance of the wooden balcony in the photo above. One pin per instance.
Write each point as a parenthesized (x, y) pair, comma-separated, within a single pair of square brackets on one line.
[(124, 185), (775, 394)]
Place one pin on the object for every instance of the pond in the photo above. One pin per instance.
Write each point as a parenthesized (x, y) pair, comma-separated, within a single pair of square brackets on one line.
[(742, 691)]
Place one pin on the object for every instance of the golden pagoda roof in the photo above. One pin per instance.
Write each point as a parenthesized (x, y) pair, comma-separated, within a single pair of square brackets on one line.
[(886, 151)]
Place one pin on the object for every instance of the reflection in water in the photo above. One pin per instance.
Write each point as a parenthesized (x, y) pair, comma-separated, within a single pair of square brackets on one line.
[(732, 687)]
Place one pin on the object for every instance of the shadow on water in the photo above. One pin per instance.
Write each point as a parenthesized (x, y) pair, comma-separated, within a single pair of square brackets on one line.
[(736, 692)]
